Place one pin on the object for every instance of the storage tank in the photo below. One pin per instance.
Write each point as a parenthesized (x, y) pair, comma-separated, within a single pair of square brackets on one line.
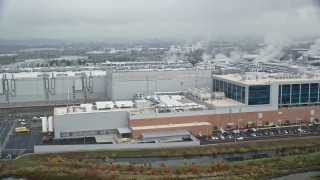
[(50, 124), (44, 124), (88, 108)]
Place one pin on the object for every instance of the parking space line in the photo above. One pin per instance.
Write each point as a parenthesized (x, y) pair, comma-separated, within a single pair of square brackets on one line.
[(8, 135), (4, 128)]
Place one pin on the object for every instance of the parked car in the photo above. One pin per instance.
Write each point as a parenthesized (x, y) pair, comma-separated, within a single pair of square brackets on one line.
[(240, 138), (214, 137)]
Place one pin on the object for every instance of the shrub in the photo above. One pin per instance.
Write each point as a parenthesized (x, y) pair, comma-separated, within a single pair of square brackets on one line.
[(188, 170), (177, 171), (153, 171), (55, 160), (101, 167), (167, 170), (197, 170), (129, 168), (253, 124), (141, 169), (112, 167)]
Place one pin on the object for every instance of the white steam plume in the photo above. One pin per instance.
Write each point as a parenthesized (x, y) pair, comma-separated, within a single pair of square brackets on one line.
[(274, 45), (314, 49)]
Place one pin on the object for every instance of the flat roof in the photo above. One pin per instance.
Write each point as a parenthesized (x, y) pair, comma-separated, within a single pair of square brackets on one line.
[(68, 73), (224, 102), (265, 79), (79, 110), (105, 138), (165, 134), (171, 126), (124, 130)]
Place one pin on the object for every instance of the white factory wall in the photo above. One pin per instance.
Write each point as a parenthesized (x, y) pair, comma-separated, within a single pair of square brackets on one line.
[(92, 147), (32, 90), (126, 90), (89, 121)]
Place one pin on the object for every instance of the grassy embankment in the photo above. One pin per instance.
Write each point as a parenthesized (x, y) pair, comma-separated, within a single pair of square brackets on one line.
[(83, 165), (60, 168), (250, 146)]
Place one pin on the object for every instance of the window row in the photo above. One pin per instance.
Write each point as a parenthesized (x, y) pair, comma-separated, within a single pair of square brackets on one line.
[(259, 94), (298, 93), (231, 91), (86, 133)]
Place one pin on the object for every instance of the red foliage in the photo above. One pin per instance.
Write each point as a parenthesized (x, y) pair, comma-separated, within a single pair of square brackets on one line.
[(167, 170), (197, 170), (112, 167), (188, 170), (101, 167), (213, 168), (153, 171), (219, 167), (141, 169)]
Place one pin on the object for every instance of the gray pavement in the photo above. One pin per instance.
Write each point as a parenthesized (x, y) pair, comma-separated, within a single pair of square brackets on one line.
[(18, 143)]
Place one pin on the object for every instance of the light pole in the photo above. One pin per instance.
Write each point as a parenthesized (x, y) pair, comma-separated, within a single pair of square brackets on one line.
[(235, 136), (300, 129)]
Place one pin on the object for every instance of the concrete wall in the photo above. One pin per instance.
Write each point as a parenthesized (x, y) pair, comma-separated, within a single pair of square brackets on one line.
[(93, 147), (89, 121), (126, 90), (31, 90), (126, 84)]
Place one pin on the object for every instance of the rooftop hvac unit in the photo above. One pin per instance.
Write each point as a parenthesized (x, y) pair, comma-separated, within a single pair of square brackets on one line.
[(44, 124), (50, 124), (88, 108), (104, 105), (126, 104)]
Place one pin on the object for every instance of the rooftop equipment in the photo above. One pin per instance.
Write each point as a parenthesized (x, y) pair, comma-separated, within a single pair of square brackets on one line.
[(44, 124), (104, 105), (50, 124), (124, 104)]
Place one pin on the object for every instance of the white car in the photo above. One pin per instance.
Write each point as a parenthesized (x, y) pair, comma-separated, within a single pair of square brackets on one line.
[(23, 123), (222, 137), (214, 137), (19, 120), (240, 138), (23, 120)]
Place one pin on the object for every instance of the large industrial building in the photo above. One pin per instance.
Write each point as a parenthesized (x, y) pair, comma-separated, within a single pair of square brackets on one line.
[(114, 82), (55, 88), (247, 100)]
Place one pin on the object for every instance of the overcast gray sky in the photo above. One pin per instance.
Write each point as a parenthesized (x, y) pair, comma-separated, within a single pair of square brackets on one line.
[(103, 19)]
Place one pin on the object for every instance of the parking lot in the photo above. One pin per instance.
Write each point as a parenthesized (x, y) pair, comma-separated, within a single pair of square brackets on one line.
[(14, 144), (262, 133)]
